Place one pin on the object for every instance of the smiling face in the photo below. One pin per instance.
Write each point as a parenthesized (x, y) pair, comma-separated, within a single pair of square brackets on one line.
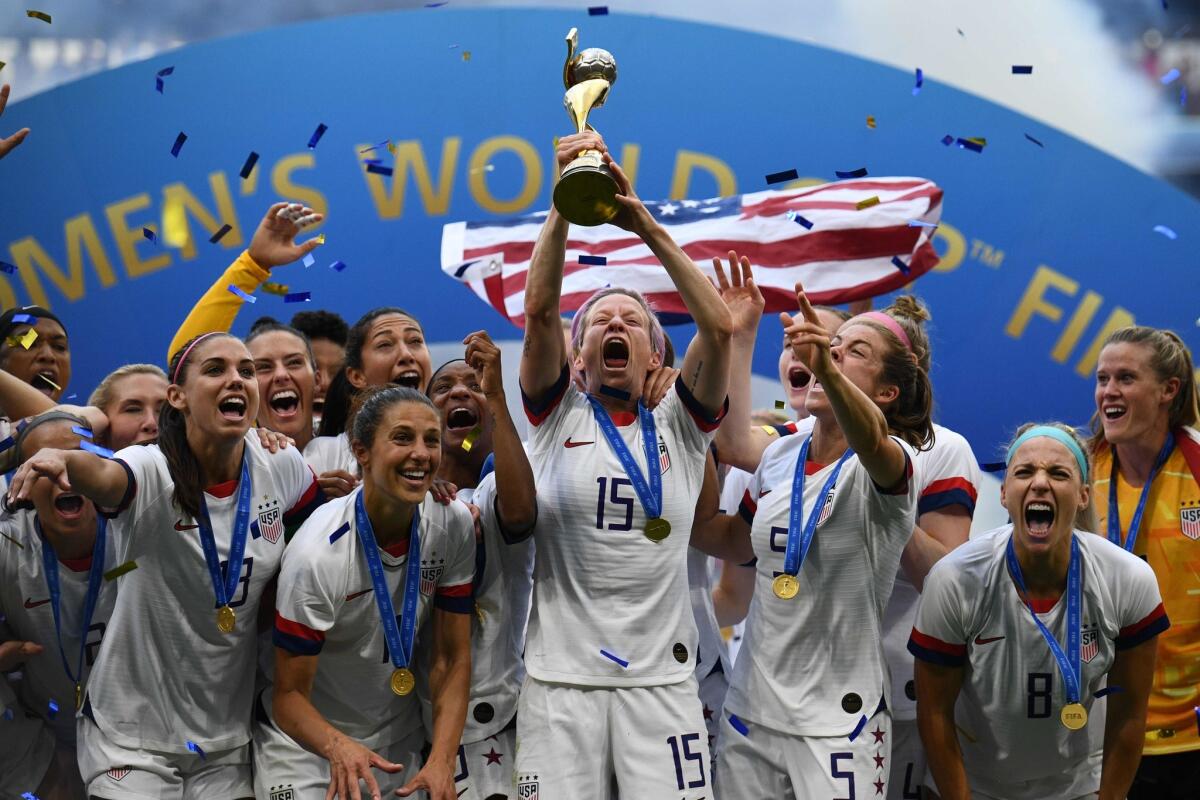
[(459, 397), (331, 357), (857, 351), (1043, 490), (615, 348), (1131, 400), (404, 457), (63, 515), (47, 360), (794, 376), (286, 383), (133, 410), (393, 352), (219, 397)]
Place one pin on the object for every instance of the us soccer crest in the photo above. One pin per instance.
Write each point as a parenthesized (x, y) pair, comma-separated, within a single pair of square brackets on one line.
[(825, 509), (664, 458), (527, 787), (270, 520), (1189, 520), (1089, 644), (431, 573), (282, 793)]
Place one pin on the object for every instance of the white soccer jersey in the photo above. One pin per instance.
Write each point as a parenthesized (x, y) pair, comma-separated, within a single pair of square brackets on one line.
[(971, 616), (711, 652), (610, 607), (166, 675), (732, 490), (813, 665), (326, 607), (948, 475), (329, 453), (27, 615)]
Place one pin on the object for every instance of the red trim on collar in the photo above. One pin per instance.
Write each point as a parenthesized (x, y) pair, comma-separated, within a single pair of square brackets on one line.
[(1044, 606), (225, 489), (77, 564), (398, 549), (623, 418)]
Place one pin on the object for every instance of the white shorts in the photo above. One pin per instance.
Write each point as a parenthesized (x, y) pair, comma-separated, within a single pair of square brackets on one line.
[(712, 699), (1083, 785), (113, 772), (485, 770), (764, 764), (26, 752), (574, 743), (907, 765), (285, 770)]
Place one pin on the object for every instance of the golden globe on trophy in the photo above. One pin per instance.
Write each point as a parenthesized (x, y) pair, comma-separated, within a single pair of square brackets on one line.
[(586, 190)]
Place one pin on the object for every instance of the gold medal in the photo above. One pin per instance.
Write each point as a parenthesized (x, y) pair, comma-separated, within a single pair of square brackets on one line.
[(657, 529), (786, 586), (78, 697), (225, 619), (1073, 716), (403, 682)]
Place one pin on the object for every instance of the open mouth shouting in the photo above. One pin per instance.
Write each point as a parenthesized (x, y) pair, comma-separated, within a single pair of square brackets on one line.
[(461, 419), (285, 403), (69, 506), (616, 353), (1039, 518), (45, 381), (408, 377), (233, 408), (799, 377)]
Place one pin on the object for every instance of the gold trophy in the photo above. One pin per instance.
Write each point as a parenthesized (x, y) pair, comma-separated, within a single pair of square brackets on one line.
[(586, 190)]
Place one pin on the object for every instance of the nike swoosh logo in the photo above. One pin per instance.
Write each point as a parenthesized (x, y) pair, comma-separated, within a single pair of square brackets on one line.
[(981, 640), (464, 791), (179, 526), (358, 594), (31, 604), (569, 443)]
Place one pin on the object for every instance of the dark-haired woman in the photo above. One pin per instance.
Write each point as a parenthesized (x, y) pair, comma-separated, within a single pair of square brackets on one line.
[(200, 530), (361, 581), (1146, 487), (826, 517)]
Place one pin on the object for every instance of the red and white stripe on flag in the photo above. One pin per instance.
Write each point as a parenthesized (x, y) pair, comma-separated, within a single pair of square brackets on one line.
[(849, 253)]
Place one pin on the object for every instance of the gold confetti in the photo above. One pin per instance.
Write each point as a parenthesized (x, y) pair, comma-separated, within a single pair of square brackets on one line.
[(780, 405), (275, 288), (469, 442), (28, 338), (871, 122), (320, 238), (870, 201), (391, 148), (770, 431), (175, 227), (979, 140), (11, 539), (466, 55), (118, 571), (42, 15), (2, 65), (52, 383)]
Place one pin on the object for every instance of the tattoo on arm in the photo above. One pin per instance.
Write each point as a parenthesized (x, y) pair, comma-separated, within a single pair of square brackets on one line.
[(696, 377), (525, 346)]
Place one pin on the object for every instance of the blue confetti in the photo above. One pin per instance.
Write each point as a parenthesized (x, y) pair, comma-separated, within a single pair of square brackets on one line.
[(7, 443), (967, 144), (149, 234), (611, 657), (379, 169), (81, 431), (7, 267), (1107, 690), (165, 71), (1182, 96), (862, 723), (158, 81), (8, 714), (1035, 141), (309, 260), (993, 466), (900, 265), (597, 11), (24, 318), (179, 140), (1022, 69), (595, 261), (799, 220), (434, 5), (28, 796), (947, 140), (861, 172), (103, 452), (249, 298), (219, 235), (1165, 231), (780, 177), (920, 223), (52, 711), (338, 266), (738, 725), (316, 137), (1169, 77), (195, 748), (620, 394), (370, 161), (248, 167), (297, 297), (920, 82)]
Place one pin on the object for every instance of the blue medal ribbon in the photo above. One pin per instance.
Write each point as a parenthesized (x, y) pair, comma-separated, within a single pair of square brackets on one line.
[(1114, 513), (1068, 663), (800, 533), (224, 587), (399, 637), (95, 572), (649, 491)]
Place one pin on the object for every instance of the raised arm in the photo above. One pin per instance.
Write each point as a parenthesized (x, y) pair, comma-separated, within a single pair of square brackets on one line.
[(719, 535), (273, 245), (1125, 722), (544, 355), (102, 481), (936, 534), (732, 594), (862, 422), (937, 690), (705, 368), (9, 142), (738, 441), (516, 499)]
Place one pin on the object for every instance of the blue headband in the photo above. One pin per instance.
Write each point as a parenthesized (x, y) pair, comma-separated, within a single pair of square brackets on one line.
[(1057, 434)]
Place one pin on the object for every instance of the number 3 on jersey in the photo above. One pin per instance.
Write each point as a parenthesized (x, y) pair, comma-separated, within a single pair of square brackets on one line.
[(610, 494)]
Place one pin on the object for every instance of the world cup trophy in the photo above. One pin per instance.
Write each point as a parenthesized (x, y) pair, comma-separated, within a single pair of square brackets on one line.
[(586, 190)]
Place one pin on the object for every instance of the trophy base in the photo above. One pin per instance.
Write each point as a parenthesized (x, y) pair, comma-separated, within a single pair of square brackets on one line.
[(586, 192)]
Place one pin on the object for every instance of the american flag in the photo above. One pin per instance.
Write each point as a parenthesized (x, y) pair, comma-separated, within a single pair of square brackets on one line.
[(855, 248)]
